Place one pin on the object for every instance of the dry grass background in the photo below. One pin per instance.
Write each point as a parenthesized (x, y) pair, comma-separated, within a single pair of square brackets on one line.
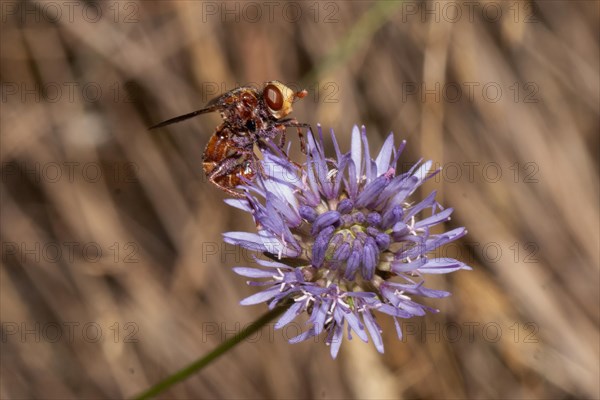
[(163, 267)]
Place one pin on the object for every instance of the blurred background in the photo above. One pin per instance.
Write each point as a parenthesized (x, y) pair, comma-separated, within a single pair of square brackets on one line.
[(114, 273)]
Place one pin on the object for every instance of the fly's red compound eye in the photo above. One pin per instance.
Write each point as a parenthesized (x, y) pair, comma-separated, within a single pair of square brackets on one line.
[(273, 97)]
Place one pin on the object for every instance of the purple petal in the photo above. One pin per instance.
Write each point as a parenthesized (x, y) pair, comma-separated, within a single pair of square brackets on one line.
[(279, 169), (384, 156), (253, 272), (319, 316), (242, 204), (311, 145), (408, 186), (289, 315), (395, 184), (287, 247), (336, 147), (339, 176), (336, 340), (435, 219), (412, 307), (401, 301), (283, 208), (369, 166), (251, 241), (303, 336), (398, 328), (371, 191), (356, 151), (397, 153), (394, 311), (391, 216), (321, 143), (423, 171), (352, 183), (419, 289), (454, 234), (431, 243), (400, 266), (313, 184), (441, 266), (400, 228), (427, 202), (260, 297), (272, 264), (356, 325), (374, 330), (320, 246)]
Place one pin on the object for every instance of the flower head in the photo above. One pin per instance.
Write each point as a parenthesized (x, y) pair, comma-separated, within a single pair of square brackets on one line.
[(343, 238)]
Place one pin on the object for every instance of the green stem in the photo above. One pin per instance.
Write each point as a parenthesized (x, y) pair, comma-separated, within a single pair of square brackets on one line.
[(213, 355), (360, 33)]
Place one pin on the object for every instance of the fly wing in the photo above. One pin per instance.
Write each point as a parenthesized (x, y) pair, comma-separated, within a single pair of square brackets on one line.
[(180, 118), (231, 96), (216, 104)]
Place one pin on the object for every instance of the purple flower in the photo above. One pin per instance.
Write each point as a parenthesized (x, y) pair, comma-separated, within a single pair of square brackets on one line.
[(346, 239)]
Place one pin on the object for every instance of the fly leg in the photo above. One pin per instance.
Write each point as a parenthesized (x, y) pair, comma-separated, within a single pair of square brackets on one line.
[(293, 122), (281, 144), (228, 173)]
